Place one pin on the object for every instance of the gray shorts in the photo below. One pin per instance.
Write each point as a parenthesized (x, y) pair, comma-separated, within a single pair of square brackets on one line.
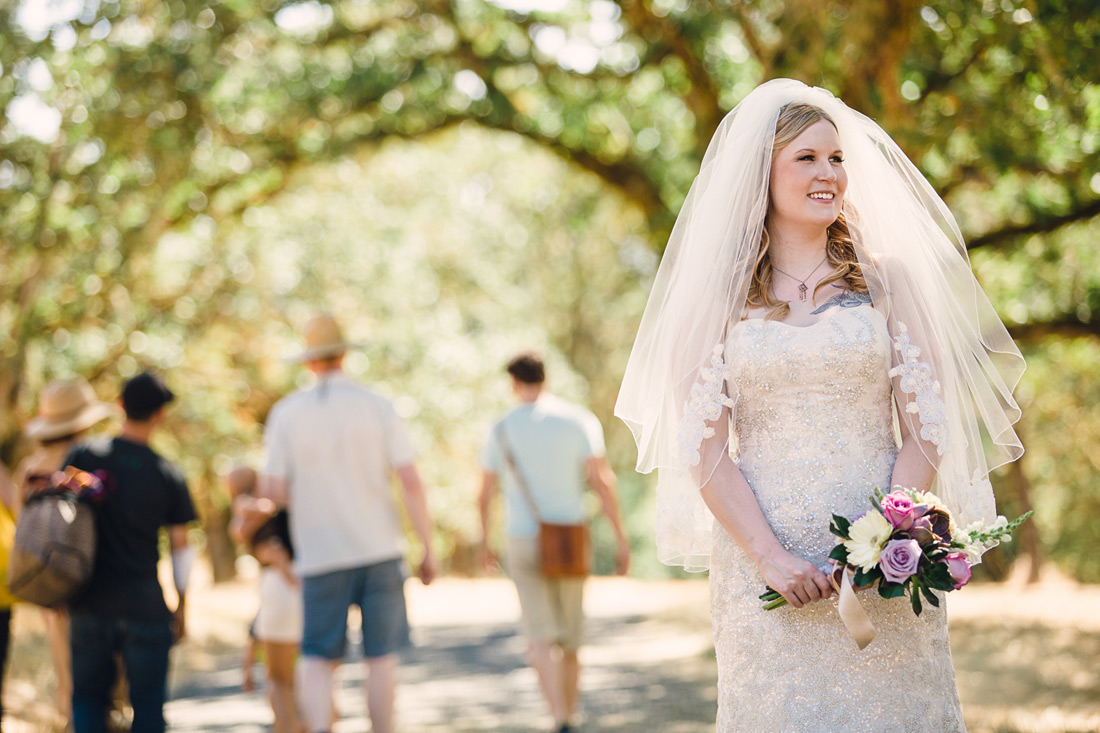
[(378, 590)]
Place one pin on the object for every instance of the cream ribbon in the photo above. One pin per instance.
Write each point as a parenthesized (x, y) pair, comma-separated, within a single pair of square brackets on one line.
[(851, 611)]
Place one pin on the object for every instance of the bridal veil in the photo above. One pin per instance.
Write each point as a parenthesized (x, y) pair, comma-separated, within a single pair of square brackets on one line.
[(955, 365)]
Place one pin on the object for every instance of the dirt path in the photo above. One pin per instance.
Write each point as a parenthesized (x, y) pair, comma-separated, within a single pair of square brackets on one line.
[(649, 658), (1025, 660)]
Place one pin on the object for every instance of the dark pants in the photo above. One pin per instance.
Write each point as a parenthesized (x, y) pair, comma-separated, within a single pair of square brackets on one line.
[(144, 648), (5, 637)]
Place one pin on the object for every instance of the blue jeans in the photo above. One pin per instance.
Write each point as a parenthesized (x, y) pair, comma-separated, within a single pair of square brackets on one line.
[(144, 647)]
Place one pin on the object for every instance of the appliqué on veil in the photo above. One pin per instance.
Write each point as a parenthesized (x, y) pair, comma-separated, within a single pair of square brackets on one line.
[(704, 405), (916, 379)]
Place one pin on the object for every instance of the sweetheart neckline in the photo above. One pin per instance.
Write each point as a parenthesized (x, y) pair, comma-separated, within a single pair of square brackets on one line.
[(811, 325)]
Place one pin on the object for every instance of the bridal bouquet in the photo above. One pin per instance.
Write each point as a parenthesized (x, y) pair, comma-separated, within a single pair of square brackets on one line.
[(908, 544)]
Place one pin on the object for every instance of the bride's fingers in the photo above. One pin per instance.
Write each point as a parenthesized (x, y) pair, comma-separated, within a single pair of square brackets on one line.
[(794, 598), (822, 583)]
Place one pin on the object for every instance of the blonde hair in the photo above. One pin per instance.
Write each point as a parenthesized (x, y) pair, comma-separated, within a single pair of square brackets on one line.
[(840, 249)]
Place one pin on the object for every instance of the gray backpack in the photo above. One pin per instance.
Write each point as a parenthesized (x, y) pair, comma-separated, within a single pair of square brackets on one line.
[(54, 550)]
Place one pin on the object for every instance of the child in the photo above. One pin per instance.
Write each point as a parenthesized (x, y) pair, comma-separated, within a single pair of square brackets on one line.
[(259, 525)]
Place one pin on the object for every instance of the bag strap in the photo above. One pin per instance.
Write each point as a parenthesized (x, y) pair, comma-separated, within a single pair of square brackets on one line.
[(511, 461)]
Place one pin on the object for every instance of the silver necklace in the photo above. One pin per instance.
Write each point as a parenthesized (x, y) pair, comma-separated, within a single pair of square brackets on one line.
[(802, 289)]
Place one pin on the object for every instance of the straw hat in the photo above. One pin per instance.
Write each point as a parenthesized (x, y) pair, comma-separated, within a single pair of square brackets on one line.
[(324, 339), (67, 407)]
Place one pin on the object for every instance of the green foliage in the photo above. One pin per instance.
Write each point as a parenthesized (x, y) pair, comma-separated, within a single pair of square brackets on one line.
[(218, 173), (840, 527), (886, 589)]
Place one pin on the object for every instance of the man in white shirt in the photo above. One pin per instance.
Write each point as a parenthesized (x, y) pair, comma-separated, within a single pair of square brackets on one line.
[(558, 448), (331, 450)]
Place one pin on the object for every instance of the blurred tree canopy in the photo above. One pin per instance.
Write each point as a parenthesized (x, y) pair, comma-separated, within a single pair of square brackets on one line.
[(182, 182)]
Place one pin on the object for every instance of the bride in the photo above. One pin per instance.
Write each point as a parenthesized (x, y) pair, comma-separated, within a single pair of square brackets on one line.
[(814, 332)]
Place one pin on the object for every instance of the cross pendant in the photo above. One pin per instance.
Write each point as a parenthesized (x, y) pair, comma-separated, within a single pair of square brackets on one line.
[(802, 291)]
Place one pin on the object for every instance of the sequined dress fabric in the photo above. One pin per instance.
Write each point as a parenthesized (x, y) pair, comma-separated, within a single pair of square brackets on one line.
[(815, 435)]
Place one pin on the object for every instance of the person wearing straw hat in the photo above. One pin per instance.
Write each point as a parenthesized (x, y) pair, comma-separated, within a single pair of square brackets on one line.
[(330, 452), (123, 608), (67, 409)]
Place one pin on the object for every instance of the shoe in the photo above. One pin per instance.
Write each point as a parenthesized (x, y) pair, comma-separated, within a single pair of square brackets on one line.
[(566, 728)]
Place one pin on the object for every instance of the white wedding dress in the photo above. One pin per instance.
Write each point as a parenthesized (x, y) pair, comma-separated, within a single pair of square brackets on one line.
[(815, 436)]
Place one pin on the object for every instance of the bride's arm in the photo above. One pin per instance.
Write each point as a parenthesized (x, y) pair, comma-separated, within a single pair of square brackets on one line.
[(912, 469), (730, 498)]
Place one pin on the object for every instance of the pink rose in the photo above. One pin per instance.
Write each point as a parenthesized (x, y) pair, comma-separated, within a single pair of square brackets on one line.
[(958, 564), (899, 560), (897, 507)]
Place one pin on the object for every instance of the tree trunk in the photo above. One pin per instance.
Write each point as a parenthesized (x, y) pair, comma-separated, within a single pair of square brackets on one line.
[(215, 525), (1030, 542)]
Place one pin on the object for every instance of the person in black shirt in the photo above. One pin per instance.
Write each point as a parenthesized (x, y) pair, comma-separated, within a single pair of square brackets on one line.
[(123, 607)]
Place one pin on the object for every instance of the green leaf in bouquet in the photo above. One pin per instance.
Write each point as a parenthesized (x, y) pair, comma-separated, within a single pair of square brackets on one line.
[(935, 554), (887, 589), (914, 598), (861, 578), (840, 526), (839, 553), (876, 499), (929, 595), (939, 577), (942, 584)]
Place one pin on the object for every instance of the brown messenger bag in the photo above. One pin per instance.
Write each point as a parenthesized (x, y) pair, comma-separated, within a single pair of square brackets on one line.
[(564, 549)]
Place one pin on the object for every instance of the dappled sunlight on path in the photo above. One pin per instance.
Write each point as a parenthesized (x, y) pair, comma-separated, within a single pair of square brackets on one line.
[(1025, 659)]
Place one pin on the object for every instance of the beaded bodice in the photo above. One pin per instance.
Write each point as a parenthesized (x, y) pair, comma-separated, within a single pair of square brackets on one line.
[(813, 401)]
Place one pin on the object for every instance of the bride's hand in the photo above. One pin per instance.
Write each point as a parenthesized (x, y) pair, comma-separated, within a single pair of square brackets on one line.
[(795, 579)]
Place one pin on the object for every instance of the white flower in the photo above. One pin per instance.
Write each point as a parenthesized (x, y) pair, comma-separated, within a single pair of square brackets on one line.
[(867, 536), (927, 497)]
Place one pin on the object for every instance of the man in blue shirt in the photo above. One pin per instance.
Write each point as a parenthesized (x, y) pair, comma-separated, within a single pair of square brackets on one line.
[(558, 448)]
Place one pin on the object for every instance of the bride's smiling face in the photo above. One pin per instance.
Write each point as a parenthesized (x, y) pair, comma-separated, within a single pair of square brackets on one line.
[(808, 180)]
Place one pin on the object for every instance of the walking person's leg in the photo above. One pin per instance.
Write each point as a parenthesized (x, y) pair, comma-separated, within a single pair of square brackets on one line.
[(318, 709), (57, 635), (280, 658), (385, 632), (540, 622), (5, 640), (92, 649), (145, 649), (325, 601), (380, 688), (540, 655), (569, 599)]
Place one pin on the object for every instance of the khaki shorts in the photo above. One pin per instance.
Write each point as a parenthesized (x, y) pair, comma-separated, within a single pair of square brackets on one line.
[(551, 609)]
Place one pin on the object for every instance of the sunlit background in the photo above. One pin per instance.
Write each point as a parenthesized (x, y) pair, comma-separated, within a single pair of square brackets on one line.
[(183, 183)]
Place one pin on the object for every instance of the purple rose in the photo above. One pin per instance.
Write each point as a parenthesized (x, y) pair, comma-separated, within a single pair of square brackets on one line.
[(898, 561), (958, 564), (897, 507)]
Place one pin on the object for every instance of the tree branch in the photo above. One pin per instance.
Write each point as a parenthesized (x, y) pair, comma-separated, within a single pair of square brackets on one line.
[(1066, 327), (702, 100), (1040, 225)]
